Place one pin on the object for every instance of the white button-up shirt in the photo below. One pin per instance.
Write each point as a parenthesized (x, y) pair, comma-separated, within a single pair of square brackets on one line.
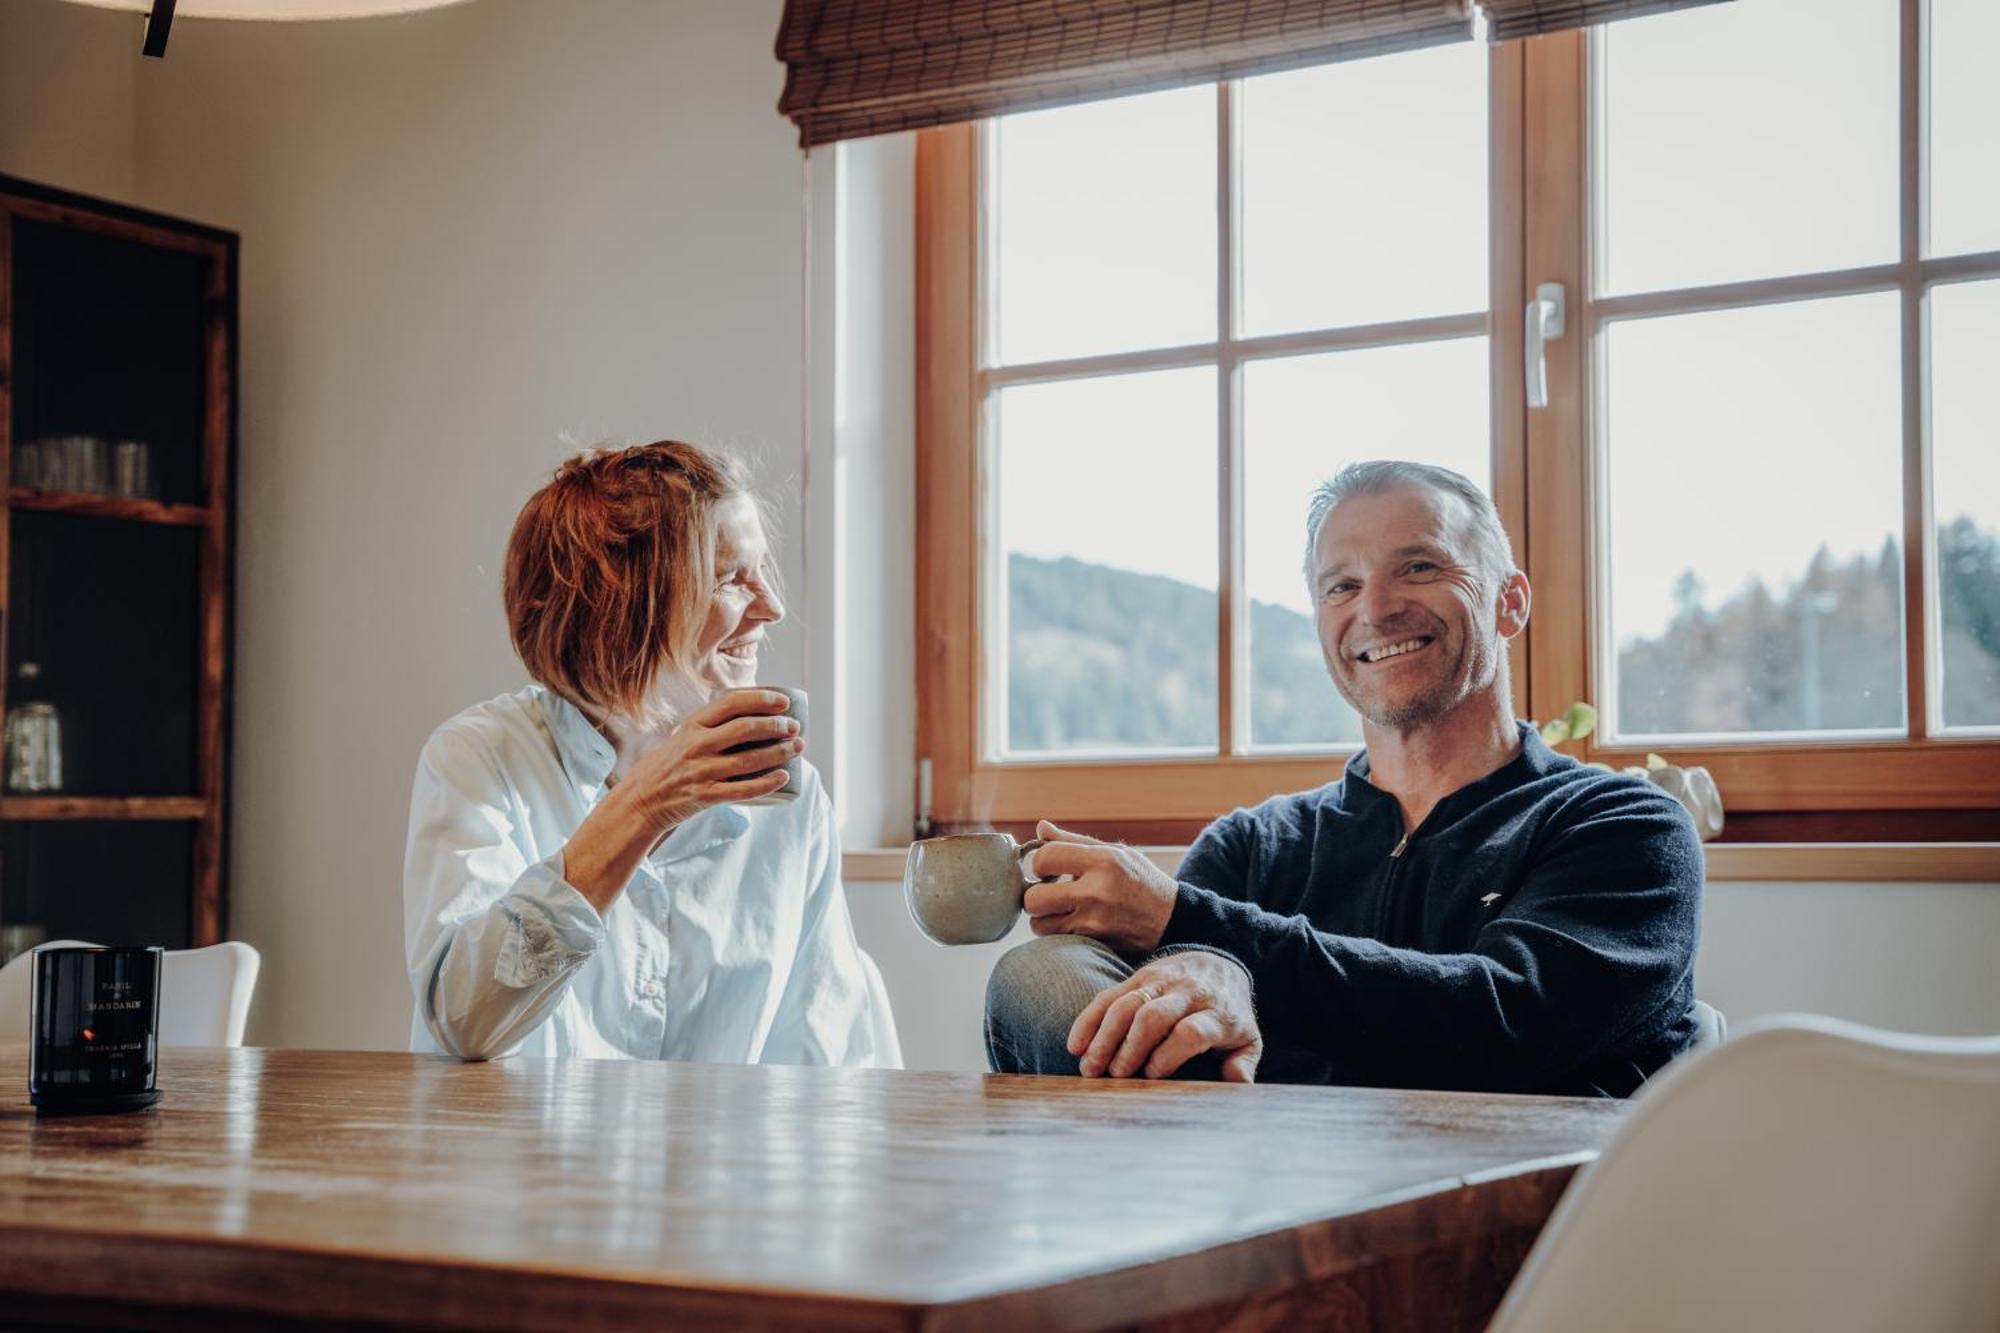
[(731, 943)]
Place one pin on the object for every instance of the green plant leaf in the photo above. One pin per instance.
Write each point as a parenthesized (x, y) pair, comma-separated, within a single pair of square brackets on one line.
[(1654, 763), (1556, 732), (1582, 719)]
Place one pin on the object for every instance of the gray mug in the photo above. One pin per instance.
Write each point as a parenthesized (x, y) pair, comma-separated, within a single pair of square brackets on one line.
[(966, 888), (795, 766)]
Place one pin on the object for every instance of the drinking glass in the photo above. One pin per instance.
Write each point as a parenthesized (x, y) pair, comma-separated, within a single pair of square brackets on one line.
[(131, 470), (87, 464)]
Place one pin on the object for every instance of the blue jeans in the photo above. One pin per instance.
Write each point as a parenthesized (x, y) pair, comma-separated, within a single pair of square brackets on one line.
[(1034, 995)]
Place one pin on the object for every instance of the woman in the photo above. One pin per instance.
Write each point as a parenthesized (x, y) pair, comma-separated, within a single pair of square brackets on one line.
[(582, 878)]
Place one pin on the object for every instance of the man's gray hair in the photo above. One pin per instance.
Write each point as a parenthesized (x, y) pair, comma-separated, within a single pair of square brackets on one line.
[(1492, 553)]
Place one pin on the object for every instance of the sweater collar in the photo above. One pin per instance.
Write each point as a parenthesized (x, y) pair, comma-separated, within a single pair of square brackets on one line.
[(1534, 761)]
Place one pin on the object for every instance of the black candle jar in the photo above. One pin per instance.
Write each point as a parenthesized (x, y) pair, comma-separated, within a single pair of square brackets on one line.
[(94, 1017)]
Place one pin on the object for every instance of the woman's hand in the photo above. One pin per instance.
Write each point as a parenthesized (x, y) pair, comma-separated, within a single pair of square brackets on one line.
[(677, 779), (693, 769)]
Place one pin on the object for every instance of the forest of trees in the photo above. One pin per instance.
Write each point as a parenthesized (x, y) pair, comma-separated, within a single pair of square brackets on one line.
[(1104, 658)]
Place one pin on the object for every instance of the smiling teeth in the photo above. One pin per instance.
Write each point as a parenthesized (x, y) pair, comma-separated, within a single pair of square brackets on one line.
[(1393, 650)]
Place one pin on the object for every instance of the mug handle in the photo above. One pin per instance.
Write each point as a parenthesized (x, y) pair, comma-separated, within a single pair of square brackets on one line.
[(1023, 849)]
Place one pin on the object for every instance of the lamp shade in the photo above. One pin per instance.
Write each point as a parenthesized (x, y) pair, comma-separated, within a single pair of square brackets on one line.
[(276, 9)]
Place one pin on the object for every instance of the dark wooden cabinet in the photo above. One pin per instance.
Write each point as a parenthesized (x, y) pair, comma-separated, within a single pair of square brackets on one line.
[(117, 443)]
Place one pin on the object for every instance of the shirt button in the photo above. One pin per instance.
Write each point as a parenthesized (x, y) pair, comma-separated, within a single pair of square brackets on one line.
[(651, 990)]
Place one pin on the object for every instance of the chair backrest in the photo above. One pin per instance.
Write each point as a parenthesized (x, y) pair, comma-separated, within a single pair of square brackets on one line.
[(1808, 1173), (204, 994), (888, 1047), (17, 979), (1710, 1026)]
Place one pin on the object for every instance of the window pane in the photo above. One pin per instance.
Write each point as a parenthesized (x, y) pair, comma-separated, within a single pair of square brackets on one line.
[(1965, 106), (1364, 191), (1108, 530), (1104, 229), (1965, 485), (1749, 140), (1304, 418), (1755, 486)]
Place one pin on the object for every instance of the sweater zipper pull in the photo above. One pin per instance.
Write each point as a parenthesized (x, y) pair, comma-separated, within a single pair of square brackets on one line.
[(1398, 853)]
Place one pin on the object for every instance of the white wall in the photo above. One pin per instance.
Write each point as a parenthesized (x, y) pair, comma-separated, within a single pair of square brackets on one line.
[(1908, 957), (465, 234), (66, 96), (867, 238)]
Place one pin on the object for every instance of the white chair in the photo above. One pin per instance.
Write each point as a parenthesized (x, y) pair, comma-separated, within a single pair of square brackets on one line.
[(1806, 1174), (1711, 1027), (204, 994), (888, 1047)]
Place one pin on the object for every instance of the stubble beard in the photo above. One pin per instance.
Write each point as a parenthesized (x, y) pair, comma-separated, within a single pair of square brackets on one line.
[(1456, 681)]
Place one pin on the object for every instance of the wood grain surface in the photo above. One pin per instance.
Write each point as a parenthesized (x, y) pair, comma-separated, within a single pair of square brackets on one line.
[(389, 1189)]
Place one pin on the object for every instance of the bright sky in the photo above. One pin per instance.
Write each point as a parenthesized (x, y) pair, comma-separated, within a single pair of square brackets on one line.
[(1745, 140)]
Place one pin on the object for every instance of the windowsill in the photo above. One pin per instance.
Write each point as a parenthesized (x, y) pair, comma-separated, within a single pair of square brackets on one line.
[(1815, 862)]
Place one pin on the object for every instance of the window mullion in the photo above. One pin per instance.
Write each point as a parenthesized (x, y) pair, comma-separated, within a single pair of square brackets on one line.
[(1918, 617), (1232, 603)]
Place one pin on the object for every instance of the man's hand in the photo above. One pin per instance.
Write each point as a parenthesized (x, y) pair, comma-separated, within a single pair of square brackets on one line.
[(1113, 894), (1165, 1014)]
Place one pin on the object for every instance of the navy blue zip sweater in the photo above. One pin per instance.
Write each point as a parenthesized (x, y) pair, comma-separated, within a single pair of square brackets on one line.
[(1536, 933)]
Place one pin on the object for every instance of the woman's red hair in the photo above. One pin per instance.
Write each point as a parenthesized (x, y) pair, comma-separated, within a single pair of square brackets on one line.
[(608, 568)]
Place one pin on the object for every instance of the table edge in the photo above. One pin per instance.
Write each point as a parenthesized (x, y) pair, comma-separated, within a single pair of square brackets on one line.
[(218, 1273)]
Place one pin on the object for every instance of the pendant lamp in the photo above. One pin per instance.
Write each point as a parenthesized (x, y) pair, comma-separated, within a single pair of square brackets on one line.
[(160, 14)]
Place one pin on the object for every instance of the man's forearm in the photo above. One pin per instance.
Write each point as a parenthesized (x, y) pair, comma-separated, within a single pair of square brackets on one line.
[(1503, 1017)]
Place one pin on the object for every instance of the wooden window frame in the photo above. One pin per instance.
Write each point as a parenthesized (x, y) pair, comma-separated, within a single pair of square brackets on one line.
[(1543, 471), (1919, 785)]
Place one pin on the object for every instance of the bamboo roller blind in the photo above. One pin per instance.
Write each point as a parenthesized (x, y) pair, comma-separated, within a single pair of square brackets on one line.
[(1507, 19), (859, 67)]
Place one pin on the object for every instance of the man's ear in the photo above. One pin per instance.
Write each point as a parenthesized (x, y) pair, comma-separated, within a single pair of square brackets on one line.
[(1510, 610)]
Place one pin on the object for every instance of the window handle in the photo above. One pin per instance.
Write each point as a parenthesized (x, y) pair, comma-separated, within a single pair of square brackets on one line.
[(1544, 322)]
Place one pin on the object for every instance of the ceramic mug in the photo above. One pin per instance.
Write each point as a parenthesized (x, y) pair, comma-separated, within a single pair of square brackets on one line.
[(966, 888), (795, 766)]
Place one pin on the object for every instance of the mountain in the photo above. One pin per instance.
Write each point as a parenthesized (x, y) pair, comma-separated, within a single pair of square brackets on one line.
[(1104, 658)]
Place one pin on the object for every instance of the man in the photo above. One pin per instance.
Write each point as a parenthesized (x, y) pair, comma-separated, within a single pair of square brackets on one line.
[(1463, 908)]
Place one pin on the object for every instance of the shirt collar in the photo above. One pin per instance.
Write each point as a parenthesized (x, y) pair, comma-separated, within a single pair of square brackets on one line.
[(588, 758)]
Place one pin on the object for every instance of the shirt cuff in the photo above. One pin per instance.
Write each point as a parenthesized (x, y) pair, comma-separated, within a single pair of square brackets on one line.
[(1248, 979), (1194, 919), (552, 928)]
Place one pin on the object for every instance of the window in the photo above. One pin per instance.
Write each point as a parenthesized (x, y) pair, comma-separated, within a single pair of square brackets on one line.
[(1761, 512), (1751, 546)]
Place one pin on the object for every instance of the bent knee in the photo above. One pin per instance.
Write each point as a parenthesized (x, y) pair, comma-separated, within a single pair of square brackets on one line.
[(1053, 974)]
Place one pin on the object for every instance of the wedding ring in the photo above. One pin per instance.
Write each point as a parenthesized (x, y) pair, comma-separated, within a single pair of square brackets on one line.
[(1145, 994)]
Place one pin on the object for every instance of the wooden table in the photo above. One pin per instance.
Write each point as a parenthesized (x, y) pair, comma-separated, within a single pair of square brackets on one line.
[(371, 1188)]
